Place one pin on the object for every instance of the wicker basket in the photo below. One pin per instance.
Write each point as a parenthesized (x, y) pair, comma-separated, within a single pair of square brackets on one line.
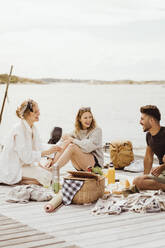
[(91, 190)]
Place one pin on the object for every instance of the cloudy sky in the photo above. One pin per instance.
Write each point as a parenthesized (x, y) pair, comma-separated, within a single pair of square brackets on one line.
[(86, 39)]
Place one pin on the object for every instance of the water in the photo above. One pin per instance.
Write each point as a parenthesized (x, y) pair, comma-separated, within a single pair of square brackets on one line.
[(115, 107)]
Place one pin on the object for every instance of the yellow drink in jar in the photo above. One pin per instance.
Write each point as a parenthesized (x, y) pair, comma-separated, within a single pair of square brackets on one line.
[(111, 175)]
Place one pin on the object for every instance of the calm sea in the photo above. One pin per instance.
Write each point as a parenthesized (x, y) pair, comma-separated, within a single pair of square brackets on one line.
[(115, 107)]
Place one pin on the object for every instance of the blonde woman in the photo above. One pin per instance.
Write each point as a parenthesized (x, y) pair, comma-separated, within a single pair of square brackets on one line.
[(84, 146), (20, 157)]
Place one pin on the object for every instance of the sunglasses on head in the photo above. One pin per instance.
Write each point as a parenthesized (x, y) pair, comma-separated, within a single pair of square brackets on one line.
[(85, 109), (30, 106)]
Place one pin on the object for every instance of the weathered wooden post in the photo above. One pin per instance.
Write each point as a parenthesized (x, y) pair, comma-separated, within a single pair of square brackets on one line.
[(6, 91)]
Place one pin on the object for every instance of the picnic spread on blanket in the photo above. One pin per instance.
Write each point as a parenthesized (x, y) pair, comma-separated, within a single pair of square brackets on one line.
[(111, 196), (86, 187)]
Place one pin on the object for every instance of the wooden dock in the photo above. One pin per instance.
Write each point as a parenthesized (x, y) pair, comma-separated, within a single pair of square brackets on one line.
[(27, 225), (16, 234)]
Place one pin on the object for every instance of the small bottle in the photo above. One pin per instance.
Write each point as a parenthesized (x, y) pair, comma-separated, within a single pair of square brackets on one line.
[(55, 180), (111, 174)]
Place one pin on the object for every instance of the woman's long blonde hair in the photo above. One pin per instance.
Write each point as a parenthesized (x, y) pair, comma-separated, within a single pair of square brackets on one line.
[(78, 125)]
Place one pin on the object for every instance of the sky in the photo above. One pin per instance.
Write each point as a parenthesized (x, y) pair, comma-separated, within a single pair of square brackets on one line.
[(83, 39)]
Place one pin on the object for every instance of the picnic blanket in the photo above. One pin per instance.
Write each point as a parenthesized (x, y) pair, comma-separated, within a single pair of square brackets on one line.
[(143, 202), (26, 193), (136, 166)]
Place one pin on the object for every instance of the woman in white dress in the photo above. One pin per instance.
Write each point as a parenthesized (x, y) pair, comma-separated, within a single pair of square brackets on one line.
[(22, 152)]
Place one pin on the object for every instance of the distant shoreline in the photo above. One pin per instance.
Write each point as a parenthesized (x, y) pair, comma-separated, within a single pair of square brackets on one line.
[(21, 80)]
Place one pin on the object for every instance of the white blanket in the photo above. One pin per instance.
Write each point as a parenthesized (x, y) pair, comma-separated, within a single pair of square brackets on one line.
[(26, 193), (143, 202)]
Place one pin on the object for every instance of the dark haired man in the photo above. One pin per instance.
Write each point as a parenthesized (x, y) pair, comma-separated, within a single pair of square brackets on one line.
[(155, 138)]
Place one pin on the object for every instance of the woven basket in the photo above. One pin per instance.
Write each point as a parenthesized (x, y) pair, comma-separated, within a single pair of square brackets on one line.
[(91, 190)]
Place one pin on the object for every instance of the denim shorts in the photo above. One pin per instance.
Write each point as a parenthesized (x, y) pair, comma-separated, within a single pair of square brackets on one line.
[(160, 178), (96, 163)]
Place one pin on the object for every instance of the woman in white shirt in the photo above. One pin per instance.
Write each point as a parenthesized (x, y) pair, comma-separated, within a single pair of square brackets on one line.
[(84, 146), (20, 157)]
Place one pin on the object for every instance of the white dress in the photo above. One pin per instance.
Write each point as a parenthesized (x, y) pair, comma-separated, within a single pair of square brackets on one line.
[(20, 156)]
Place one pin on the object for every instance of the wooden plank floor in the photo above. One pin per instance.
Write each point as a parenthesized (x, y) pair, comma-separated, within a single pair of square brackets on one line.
[(14, 234), (74, 226)]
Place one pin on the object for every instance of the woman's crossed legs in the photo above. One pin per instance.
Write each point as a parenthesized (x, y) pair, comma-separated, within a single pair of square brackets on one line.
[(80, 159)]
